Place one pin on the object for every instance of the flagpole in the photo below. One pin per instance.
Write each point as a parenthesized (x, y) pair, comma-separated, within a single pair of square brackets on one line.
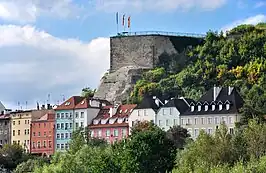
[(117, 23)]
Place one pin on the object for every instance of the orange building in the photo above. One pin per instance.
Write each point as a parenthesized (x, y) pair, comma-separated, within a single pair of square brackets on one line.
[(42, 135)]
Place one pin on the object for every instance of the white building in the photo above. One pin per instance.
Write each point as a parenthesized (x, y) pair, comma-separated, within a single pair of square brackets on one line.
[(169, 114), (145, 111)]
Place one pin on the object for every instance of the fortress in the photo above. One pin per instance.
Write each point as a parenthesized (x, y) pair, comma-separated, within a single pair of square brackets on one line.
[(133, 53)]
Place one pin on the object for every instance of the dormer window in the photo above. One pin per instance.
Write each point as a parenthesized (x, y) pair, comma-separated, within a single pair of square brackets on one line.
[(199, 108), (206, 107), (213, 107), (131, 110), (192, 108), (126, 111), (67, 103), (82, 102), (227, 106), (120, 111), (220, 107)]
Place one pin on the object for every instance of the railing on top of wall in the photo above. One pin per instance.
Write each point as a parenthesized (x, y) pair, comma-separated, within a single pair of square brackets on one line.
[(160, 33)]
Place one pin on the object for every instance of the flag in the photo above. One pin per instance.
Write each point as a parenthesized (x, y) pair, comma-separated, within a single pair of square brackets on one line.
[(117, 18), (123, 20), (128, 22)]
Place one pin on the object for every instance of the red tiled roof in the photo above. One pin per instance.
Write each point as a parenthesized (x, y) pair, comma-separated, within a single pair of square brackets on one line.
[(124, 110), (104, 112), (46, 117), (70, 103), (5, 116), (85, 103)]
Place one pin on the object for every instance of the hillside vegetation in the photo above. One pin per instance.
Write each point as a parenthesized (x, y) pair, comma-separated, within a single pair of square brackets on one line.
[(237, 58)]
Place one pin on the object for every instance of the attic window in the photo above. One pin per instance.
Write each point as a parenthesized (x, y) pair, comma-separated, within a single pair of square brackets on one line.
[(67, 103), (227, 106), (192, 108), (199, 108), (213, 107), (120, 111), (126, 111), (220, 107), (82, 102), (131, 110), (206, 107)]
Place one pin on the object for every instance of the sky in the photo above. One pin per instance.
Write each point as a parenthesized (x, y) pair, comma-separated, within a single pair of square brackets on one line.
[(58, 47)]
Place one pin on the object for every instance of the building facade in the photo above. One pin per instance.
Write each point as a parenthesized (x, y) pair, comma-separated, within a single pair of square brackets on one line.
[(42, 135), (77, 112), (20, 125), (111, 123), (145, 111), (169, 114), (5, 127), (218, 105)]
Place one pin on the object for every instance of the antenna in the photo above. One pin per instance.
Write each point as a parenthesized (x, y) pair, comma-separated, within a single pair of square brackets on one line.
[(26, 104), (49, 97)]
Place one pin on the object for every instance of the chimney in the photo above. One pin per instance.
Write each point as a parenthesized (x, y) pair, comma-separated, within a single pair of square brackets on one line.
[(230, 89), (216, 91), (43, 107), (38, 106), (48, 106)]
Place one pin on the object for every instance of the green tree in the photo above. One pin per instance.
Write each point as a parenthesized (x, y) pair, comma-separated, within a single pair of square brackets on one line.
[(178, 135), (88, 92)]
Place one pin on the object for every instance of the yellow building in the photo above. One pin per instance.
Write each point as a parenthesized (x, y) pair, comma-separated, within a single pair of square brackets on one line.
[(20, 125)]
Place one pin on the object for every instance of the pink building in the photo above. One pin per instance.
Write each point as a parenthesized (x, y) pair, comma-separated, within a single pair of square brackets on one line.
[(111, 123)]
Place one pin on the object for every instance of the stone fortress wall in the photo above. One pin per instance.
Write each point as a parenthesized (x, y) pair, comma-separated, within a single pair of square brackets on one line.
[(131, 54)]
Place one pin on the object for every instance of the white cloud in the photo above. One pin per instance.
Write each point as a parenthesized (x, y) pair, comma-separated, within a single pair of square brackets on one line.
[(35, 63), (251, 20), (260, 4), (158, 5), (29, 10)]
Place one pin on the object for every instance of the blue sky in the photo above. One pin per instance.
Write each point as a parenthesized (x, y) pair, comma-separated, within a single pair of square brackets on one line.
[(58, 47)]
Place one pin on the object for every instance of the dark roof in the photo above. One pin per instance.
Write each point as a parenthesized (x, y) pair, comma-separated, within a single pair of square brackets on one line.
[(225, 95), (180, 104), (148, 102)]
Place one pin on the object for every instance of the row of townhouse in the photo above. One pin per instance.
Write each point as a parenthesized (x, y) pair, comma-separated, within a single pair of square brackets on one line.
[(44, 131)]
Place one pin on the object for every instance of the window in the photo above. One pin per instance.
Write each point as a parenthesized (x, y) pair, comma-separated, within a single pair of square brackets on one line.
[(14, 123), (39, 134), (62, 125), (99, 133), (62, 146), (164, 111), (182, 122), (44, 144), (50, 144), (220, 107), (70, 125), (196, 132), (62, 135), (192, 108), (70, 115), (107, 133), (62, 116), (224, 120), (124, 132), (33, 133), (77, 115), (145, 113), (39, 125), (5, 132), (231, 131), (66, 135), (57, 116), (227, 106), (70, 135), (39, 144), (28, 142), (25, 131), (28, 121), (209, 120), (196, 121), (44, 133), (175, 122), (57, 136), (66, 145), (66, 114), (28, 131), (230, 120), (66, 126), (25, 121), (82, 124), (217, 120), (171, 111), (199, 108), (18, 122), (206, 107), (58, 126), (18, 132), (77, 125), (209, 131), (14, 132), (81, 114), (115, 132), (33, 144), (202, 120), (5, 123), (139, 112), (167, 123), (213, 107), (57, 146), (92, 133), (160, 123)]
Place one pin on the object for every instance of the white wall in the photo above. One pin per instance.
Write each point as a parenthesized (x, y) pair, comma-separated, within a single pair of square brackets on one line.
[(138, 115), (167, 117), (89, 114)]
